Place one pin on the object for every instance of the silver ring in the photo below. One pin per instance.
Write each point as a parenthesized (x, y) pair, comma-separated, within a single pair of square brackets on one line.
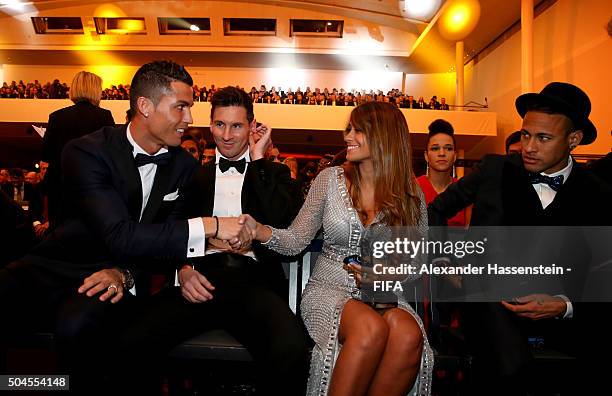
[(112, 286)]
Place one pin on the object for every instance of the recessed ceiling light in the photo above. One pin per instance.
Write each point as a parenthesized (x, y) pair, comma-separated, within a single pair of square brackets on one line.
[(421, 8)]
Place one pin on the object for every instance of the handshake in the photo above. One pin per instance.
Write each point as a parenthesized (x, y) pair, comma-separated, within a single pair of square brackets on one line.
[(237, 232)]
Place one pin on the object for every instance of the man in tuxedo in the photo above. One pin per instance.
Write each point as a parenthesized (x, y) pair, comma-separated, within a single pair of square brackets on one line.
[(123, 185), (238, 290), (443, 105), (543, 187)]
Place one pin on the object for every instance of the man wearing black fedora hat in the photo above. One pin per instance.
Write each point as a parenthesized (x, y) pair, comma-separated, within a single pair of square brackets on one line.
[(542, 187)]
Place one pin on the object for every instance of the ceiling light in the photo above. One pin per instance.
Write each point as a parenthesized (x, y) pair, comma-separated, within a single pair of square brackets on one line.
[(421, 9), (16, 5), (194, 28)]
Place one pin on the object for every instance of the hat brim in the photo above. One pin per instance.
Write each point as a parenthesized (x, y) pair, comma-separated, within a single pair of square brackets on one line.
[(528, 100)]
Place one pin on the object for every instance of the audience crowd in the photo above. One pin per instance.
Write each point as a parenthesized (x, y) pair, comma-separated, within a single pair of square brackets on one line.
[(308, 96)]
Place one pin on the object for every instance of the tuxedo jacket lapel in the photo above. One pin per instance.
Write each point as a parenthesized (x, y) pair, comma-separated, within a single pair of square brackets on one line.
[(209, 175), (123, 157), (159, 189), (521, 203), (245, 193)]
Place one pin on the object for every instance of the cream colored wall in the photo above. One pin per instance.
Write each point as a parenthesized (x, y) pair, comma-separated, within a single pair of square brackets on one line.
[(113, 74), (570, 44), (427, 85), (292, 117)]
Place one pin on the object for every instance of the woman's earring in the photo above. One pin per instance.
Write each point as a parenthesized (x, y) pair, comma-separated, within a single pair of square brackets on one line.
[(454, 174), (427, 169)]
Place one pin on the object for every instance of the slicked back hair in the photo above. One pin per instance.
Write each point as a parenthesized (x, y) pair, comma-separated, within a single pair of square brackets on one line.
[(153, 80)]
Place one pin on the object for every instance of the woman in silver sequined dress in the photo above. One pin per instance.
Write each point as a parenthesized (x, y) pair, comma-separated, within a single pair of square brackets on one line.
[(360, 350)]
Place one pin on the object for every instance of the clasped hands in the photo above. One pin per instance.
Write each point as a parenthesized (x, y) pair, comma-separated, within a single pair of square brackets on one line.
[(537, 306), (236, 232)]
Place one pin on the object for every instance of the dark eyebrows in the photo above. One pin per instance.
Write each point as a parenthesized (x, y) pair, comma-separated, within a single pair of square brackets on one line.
[(542, 133)]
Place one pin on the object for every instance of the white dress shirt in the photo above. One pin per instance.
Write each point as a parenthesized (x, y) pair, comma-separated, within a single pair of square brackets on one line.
[(547, 195), (228, 195), (544, 191)]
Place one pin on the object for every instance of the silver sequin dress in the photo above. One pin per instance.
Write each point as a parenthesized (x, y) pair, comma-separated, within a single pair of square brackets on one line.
[(329, 288)]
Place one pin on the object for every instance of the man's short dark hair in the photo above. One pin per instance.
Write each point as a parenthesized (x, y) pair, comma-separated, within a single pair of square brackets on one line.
[(514, 137), (153, 80), (232, 96)]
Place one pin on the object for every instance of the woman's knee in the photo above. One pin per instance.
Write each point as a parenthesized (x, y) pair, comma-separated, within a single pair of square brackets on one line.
[(366, 329), (404, 333)]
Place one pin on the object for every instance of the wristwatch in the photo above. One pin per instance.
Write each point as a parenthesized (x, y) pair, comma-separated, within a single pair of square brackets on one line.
[(128, 279)]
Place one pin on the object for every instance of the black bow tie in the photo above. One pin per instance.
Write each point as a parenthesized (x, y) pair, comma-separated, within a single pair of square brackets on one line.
[(554, 182), (159, 159), (225, 164)]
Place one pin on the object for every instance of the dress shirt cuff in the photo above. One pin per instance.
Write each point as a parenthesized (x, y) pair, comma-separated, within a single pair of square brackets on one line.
[(196, 245), (569, 308)]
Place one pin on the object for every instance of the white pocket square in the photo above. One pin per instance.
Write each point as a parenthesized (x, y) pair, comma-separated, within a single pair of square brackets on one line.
[(172, 196)]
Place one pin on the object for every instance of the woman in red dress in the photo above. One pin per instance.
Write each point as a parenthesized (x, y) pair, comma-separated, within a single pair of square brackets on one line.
[(440, 154)]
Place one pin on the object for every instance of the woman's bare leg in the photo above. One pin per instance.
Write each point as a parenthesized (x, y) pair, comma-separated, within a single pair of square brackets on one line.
[(363, 335), (401, 360)]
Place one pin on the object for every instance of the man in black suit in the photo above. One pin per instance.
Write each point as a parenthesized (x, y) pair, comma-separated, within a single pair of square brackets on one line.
[(124, 185), (234, 289), (69, 123), (544, 187)]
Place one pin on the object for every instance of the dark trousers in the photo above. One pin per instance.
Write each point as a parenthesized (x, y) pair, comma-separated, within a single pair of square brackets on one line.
[(35, 299), (243, 306), (503, 360)]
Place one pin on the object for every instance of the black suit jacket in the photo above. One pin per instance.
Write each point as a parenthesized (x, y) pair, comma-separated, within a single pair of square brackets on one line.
[(65, 125), (267, 194), (502, 195), (500, 191), (104, 194)]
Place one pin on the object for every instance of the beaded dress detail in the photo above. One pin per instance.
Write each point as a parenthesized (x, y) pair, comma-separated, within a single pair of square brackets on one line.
[(329, 205)]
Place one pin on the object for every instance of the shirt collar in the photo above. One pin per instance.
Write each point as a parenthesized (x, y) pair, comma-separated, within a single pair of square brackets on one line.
[(136, 149), (565, 171), (246, 156)]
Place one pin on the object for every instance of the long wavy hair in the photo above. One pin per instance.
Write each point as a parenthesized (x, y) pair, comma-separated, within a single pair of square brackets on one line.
[(396, 192)]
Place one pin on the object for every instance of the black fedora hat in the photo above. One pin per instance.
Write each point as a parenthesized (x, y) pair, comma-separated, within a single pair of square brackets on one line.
[(566, 99)]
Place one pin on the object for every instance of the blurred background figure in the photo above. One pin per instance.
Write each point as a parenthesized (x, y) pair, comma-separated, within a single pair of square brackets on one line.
[(513, 143), (292, 163), (69, 123), (5, 185), (208, 155), (325, 162), (272, 154), (32, 178), (191, 146)]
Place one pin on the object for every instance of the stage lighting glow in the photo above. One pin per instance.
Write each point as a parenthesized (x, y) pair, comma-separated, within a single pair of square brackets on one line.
[(131, 25), (194, 28), (459, 19), (13, 5), (421, 9), (108, 11)]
